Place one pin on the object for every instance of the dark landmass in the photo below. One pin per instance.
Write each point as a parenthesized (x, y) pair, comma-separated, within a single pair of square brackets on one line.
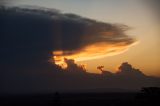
[(78, 99), (147, 97)]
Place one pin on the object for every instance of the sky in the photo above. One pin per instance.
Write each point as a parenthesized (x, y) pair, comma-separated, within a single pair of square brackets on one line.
[(136, 14)]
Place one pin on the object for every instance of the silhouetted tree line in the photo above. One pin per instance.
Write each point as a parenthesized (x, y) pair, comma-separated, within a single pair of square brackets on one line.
[(149, 96)]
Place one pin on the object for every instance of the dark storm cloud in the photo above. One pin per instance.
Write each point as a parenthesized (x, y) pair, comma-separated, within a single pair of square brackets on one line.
[(68, 32)]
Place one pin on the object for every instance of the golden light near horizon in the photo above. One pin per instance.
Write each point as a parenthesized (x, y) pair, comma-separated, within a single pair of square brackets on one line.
[(94, 51)]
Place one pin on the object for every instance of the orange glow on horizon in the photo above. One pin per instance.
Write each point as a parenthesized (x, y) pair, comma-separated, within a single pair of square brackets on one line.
[(94, 51)]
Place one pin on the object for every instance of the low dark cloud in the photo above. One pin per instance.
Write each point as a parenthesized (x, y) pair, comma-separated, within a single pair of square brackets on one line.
[(124, 70), (73, 67), (127, 69)]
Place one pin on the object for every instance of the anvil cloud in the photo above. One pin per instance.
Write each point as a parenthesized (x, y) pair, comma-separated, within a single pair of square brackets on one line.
[(66, 35)]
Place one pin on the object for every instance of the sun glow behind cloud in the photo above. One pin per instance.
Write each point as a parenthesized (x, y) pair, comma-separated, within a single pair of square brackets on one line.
[(94, 51)]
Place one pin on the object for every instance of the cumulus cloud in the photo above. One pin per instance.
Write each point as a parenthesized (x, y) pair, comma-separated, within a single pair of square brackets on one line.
[(126, 69), (73, 67), (104, 72), (100, 68)]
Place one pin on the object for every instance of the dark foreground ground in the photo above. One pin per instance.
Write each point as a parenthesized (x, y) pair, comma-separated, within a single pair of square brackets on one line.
[(81, 99)]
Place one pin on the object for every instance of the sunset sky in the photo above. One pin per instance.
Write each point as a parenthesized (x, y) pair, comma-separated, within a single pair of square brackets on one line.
[(137, 14)]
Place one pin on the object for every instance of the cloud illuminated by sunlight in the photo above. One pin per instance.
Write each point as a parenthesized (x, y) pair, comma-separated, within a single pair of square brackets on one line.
[(94, 51)]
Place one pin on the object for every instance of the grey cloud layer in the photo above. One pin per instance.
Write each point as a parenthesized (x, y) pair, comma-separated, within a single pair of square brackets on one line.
[(69, 31)]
